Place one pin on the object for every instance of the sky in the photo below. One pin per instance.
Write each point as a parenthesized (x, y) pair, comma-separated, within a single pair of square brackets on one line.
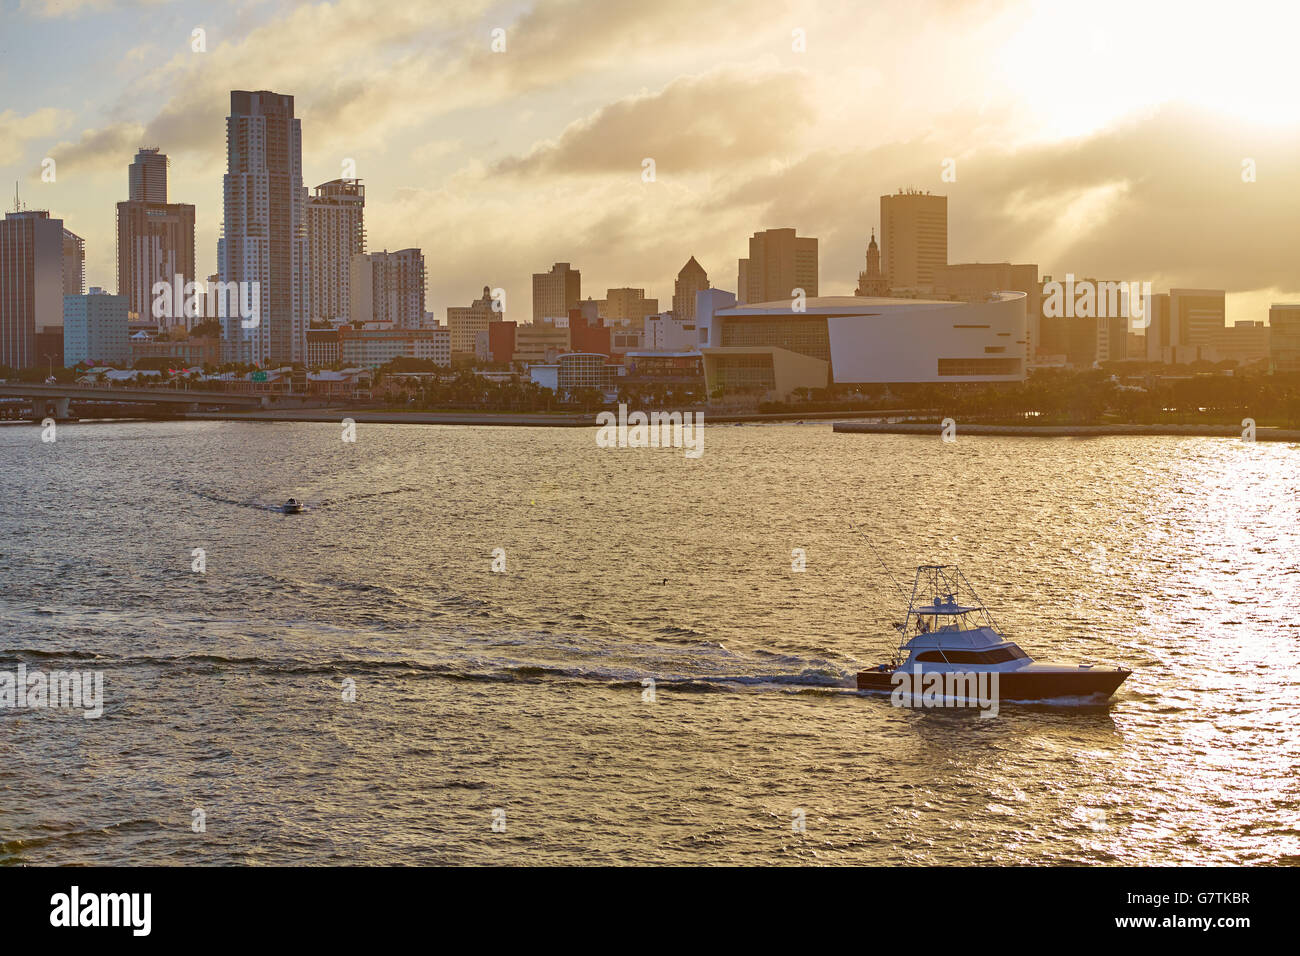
[(1119, 140)]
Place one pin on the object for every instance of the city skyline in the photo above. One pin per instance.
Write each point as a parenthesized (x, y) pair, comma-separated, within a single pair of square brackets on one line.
[(481, 190)]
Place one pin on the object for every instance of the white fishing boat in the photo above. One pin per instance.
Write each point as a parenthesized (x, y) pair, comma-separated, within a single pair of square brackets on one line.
[(948, 630)]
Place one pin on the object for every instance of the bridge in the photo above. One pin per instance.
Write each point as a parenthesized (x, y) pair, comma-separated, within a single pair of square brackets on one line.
[(53, 401)]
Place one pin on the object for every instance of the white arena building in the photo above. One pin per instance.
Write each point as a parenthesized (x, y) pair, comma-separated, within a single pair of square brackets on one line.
[(769, 348)]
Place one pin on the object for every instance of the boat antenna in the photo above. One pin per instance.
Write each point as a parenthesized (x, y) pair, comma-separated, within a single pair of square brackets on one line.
[(883, 565)]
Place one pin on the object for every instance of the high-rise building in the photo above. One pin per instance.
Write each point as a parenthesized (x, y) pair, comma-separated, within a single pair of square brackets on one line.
[(264, 236), (155, 238), (1197, 315), (690, 280), (387, 288), (95, 329), (1284, 337), (914, 231), (336, 232), (627, 307), (465, 322), (147, 176), (74, 263), (1185, 325), (871, 282), (31, 284), (556, 292), (779, 262)]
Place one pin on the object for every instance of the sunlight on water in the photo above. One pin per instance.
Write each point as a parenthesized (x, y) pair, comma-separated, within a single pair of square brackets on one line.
[(523, 691)]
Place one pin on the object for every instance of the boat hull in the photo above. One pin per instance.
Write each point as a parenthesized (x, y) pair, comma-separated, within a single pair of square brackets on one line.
[(1026, 684)]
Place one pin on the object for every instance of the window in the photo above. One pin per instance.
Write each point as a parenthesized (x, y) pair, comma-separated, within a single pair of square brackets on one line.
[(930, 657)]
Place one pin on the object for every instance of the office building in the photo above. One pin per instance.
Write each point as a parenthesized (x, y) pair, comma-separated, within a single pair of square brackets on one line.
[(556, 292), (691, 279), (627, 307), (466, 321), (155, 239), (31, 285), (95, 329), (914, 235), (779, 262), (1284, 338)]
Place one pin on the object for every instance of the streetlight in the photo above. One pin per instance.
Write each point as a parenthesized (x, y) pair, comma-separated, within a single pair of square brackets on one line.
[(50, 357)]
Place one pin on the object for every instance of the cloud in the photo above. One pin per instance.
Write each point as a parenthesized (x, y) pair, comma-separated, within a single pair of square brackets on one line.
[(16, 131), (694, 124), (104, 148)]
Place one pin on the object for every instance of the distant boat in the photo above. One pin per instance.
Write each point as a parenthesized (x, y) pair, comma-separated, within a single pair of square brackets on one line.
[(294, 507), (942, 634)]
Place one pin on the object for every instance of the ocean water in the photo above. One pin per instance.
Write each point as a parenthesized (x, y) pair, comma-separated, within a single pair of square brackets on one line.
[(503, 717)]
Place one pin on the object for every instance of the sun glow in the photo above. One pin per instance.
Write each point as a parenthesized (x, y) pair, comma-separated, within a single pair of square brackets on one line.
[(1078, 67)]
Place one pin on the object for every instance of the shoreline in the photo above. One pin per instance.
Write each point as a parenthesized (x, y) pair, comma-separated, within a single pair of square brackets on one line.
[(1068, 431)]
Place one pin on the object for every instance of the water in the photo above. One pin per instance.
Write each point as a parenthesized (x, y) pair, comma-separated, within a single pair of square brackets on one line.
[(522, 692)]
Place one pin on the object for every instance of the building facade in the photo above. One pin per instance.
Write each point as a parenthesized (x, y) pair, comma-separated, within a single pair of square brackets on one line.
[(155, 238), (766, 350), (465, 322), (556, 292), (336, 231), (779, 262), (691, 279), (871, 281), (370, 348), (31, 285), (264, 235), (1284, 338), (387, 288), (914, 232), (95, 329)]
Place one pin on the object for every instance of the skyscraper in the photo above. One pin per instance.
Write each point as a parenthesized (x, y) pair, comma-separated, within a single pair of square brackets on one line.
[(779, 262), (147, 176), (556, 292), (264, 237), (335, 233), (690, 280), (31, 284), (155, 238), (914, 229), (387, 288)]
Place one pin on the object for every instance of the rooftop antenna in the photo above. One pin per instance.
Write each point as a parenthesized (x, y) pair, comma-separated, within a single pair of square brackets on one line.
[(17, 208)]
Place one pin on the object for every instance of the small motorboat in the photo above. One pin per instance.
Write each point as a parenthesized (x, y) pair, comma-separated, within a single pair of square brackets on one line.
[(293, 507), (949, 632)]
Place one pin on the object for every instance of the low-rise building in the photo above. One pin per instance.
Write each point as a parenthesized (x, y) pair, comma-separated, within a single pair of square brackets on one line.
[(371, 348)]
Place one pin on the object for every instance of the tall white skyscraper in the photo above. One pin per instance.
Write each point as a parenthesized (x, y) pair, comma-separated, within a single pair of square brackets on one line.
[(264, 238), (335, 233)]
